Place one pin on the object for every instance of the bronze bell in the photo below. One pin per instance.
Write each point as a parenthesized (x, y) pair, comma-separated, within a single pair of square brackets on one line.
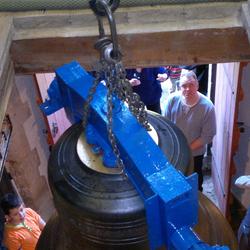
[(99, 209)]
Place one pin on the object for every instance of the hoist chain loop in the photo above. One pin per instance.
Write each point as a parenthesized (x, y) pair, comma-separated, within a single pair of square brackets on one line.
[(102, 8), (110, 70)]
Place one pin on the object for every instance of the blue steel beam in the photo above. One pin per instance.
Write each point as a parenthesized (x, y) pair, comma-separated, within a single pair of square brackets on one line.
[(171, 199)]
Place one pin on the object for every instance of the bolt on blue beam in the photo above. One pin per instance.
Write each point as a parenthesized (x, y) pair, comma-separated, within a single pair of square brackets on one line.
[(170, 199)]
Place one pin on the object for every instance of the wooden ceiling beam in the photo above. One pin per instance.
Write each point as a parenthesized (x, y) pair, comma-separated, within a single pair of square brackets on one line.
[(150, 49), (148, 36)]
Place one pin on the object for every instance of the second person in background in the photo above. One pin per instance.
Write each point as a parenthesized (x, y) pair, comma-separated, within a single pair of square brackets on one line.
[(174, 75), (146, 83)]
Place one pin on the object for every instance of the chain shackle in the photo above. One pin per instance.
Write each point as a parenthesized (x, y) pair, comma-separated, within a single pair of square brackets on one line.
[(98, 8), (108, 47)]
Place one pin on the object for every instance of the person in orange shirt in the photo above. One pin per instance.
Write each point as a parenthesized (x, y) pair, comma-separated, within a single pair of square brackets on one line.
[(23, 225)]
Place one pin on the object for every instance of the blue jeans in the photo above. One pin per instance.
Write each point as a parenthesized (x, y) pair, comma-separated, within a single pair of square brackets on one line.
[(198, 161)]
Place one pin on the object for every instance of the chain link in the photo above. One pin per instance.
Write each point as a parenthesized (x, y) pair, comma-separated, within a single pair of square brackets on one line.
[(110, 85), (111, 70), (114, 76), (125, 93), (89, 99)]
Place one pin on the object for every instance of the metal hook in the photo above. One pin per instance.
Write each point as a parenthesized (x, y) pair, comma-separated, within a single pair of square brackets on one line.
[(104, 8)]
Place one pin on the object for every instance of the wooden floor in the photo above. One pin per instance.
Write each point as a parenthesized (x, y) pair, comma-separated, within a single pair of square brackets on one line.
[(208, 187)]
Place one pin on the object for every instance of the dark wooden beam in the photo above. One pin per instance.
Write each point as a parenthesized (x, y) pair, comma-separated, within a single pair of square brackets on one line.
[(151, 49)]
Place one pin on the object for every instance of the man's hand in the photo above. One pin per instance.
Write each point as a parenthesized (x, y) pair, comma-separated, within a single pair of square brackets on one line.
[(243, 181), (162, 77), (134, 82), (197, 143)]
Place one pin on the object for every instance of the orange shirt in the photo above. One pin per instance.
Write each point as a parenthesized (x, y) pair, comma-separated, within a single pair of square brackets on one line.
[(23, 237)]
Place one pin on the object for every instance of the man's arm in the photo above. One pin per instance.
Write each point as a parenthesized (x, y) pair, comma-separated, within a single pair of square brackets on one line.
[(167, 112), (134, 81), (196, 144), (38, 219), (208, 131), (41, 223), (162, 74), (208, 127)]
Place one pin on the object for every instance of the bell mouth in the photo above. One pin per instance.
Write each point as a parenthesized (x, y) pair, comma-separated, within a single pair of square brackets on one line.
[(94, 161)]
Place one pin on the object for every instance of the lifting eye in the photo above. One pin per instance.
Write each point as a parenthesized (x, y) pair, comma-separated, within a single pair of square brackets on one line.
[(99, 10)]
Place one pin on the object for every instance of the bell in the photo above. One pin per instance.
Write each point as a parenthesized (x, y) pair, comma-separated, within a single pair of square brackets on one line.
[(98, 207)]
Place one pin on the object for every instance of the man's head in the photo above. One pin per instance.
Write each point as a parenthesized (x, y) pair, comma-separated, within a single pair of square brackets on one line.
[(189, 84), (13, 208)]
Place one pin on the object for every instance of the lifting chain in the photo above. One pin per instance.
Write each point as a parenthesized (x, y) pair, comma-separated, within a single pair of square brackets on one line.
[(111, 71)]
